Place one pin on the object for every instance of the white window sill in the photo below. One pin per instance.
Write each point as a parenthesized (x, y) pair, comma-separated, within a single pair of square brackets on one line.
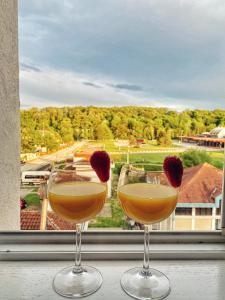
[(193, 261), (196, 280)]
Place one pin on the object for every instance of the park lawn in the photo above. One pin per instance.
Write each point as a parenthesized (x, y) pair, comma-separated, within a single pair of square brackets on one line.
[(152, 158), (32, 199), (217, 155), (217, 159), (158, 158), (109, 146), (150, 145)]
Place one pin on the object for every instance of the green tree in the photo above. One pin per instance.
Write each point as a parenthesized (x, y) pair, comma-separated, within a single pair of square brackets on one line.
[(164, 138), (103, 132), (195, 157), (66, 130), (132, 141), (51, 140), (27, 140)]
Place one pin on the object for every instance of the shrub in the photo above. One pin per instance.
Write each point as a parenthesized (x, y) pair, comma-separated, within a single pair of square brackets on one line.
[(192, 158)]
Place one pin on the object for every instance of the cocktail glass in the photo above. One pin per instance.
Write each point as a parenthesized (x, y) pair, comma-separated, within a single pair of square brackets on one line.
[(146, 201), (76, 196)]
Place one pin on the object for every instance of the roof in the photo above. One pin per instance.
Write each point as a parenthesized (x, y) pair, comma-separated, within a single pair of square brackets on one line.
[(200, 184), (217, 130), (31, 219)]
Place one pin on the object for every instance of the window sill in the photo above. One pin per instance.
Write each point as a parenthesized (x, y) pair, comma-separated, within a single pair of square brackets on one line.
[(191, 260), (202, 280)]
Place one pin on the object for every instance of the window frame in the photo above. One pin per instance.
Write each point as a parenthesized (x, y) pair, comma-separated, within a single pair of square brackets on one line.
[(108, 245), (35, 237), (223, 197)]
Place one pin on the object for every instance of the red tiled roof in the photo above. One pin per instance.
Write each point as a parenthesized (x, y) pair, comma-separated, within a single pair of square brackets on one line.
[(200, 184), (30, 220)]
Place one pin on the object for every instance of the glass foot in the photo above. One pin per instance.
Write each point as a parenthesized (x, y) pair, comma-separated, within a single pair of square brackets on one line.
[(69, 284), (145, 287)]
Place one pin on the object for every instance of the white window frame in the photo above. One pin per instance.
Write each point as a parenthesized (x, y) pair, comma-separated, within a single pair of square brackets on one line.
[(108, 245), (223, 198), (11, 242)]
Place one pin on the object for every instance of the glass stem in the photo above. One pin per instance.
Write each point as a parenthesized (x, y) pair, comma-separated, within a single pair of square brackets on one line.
[(77, 266), (146, 270)]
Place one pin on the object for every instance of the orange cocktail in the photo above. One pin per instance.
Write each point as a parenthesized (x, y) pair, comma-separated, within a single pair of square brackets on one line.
[(147, 203), (77, 201)]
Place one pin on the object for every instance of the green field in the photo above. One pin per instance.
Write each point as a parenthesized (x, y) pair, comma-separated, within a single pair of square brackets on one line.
[(110, 146), (158, 158), (217, 159)]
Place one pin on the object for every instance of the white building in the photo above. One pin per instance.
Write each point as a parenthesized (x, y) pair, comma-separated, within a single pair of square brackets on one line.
[(218, 132)]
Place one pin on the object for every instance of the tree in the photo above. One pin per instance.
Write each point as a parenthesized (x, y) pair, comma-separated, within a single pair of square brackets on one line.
[(51, 140), (27, 140), (164, 138), (195, 157), (103, 132), (114, 122), (66, 130), (132, 141)]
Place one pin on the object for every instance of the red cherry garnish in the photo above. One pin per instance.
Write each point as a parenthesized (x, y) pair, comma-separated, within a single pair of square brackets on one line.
[(100, 162), (173, 169)]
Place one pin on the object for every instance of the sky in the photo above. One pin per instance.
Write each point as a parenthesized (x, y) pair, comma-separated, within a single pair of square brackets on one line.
[(161, 53)]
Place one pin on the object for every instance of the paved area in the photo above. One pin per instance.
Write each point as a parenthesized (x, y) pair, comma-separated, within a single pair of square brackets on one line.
[(39, 163), (106, 211)]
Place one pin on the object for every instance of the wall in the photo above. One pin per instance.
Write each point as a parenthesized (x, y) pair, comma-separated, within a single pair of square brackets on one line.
[(9, 116)]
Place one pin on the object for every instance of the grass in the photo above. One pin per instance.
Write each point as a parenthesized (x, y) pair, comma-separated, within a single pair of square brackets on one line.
[(32, 199), (217, 159), (217, 155), (158, 158), (109, 146), (153, 158)]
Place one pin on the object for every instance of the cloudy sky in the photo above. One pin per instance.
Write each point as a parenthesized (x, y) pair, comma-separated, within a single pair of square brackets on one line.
[(122, 52)]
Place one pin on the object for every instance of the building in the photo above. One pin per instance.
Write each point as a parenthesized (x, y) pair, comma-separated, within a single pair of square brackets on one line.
[(199, 202), (31, 220), (214, 138), (218, 132), (199, 198)]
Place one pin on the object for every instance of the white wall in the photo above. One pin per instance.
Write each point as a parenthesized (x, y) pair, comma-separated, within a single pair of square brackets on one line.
[(9, 116)]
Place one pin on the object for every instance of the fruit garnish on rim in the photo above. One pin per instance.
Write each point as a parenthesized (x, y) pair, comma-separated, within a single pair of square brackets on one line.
[(173, 169), (100, 162)]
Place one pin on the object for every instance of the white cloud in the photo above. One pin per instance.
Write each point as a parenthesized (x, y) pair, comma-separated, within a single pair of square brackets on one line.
[(61, 88), (41, 86), (174, 50)]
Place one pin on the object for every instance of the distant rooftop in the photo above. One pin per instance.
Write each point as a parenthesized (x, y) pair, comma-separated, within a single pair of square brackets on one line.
[(200, 184), (31, 219), (218, 132)]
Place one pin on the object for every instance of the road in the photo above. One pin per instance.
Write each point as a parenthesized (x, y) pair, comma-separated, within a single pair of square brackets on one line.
[(40, 163)]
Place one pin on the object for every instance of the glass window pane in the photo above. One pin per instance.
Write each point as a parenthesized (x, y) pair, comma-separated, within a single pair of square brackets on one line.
[(109, 87)]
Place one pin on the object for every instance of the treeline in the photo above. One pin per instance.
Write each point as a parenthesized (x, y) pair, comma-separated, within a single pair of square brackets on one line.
[(52, 126)]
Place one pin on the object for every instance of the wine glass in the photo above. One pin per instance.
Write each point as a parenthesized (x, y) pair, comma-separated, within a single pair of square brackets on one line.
[(76, 195), (145, 200)]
